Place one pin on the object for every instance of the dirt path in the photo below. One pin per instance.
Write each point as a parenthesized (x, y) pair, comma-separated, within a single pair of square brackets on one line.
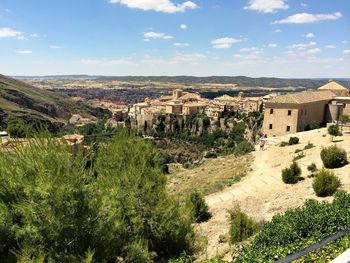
[(262, 193)]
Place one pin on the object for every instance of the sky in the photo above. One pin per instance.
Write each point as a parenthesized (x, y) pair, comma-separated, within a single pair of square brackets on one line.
[(256, 38)]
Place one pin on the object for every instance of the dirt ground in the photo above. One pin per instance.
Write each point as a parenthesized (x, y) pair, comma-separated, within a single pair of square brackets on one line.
[(262, 194)]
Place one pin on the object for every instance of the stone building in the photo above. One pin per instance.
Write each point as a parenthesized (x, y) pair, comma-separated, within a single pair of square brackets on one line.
[(293, 113)]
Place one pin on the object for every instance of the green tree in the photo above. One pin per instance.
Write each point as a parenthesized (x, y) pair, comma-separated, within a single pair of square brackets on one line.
[(200, 208), (334, 131)]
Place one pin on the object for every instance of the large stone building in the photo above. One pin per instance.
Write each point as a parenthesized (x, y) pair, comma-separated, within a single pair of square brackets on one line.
[(291, 113)]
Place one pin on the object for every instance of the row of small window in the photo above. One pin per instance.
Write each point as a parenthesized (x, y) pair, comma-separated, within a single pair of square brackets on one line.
[(289, 112), (287, 129)]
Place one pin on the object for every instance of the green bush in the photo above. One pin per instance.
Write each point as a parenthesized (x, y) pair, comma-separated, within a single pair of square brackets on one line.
[(284, 144), (333, 130), (297, 229), (325, 183), (293, 140), (200, 208), (242, 227), (19, 129), (334, 157), (53, 207), (312, 168), (313, 125), (299, 156), (243, 147), (309, 146), (292, 174)]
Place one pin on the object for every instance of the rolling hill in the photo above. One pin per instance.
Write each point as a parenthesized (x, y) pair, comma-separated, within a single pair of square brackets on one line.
[(37, 106)]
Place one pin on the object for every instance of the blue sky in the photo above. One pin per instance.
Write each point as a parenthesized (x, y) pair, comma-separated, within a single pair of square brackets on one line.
[(272, 38)]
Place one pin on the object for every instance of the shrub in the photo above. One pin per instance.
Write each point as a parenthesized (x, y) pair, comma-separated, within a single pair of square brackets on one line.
[(296, 229), (334, 131), (312, 168), (313, 125), (242, 227), (292, 174), (325, 183), (333, 157), (298, 151), (293, 140), (283, 144), (200, 208), (309, 146), (243, 147), (299, 156)]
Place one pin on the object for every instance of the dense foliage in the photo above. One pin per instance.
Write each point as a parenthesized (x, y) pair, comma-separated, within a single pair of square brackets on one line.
[(292, 174), (297, 229), (243, 147), (200, 208), (313, 125), (242, 227), (312, 168), (334, 157), (325, 183), (55, 206)]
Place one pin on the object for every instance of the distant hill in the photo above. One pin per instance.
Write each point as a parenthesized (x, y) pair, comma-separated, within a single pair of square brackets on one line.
[(34, 105), (241, 81)]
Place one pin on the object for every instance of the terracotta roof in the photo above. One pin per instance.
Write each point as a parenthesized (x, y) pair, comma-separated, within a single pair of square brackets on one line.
[(332, 86), (303, 97)]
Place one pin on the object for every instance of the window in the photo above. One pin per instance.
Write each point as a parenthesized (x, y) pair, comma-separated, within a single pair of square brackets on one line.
[(289, 112), (288, 128), (271, 111), (270, 126)]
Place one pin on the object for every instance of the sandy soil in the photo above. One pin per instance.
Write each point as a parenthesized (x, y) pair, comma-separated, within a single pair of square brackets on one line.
[(262, 194)]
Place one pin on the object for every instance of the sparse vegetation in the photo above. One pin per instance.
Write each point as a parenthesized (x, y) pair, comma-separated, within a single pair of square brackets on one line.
[(292, 174), (325, 183), (244, 147), (309, 146), (334, 157), (299, 156)]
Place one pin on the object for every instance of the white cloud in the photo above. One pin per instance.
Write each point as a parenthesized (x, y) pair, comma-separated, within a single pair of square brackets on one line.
[(310, 35), (312, 51), (181, 44), (24, 52), (183, 26), (34, 35), (266, 6), (249, 49), (303, 45), (272, 45), (7, 32), (249, 56), (225, 42), (177, 59), (304, 18), (165, 6), (304, 5), (344, 42), (154, 35), (278, 31), (22, 38), (55, 47), (104, 62), (347, 52), (330, 46)]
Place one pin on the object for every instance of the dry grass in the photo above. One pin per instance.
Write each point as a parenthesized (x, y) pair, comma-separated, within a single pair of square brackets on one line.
[(210, 177)]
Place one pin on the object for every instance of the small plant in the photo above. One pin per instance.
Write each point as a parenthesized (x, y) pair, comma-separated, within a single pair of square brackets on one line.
[(200, 208), (309, 146), (299, 156), (284, 144), (334, 157), (312, 168), (292, 174), (293, 140), (325, 183), (298, 150), (242, 227), (313, 125), (334, 131)]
